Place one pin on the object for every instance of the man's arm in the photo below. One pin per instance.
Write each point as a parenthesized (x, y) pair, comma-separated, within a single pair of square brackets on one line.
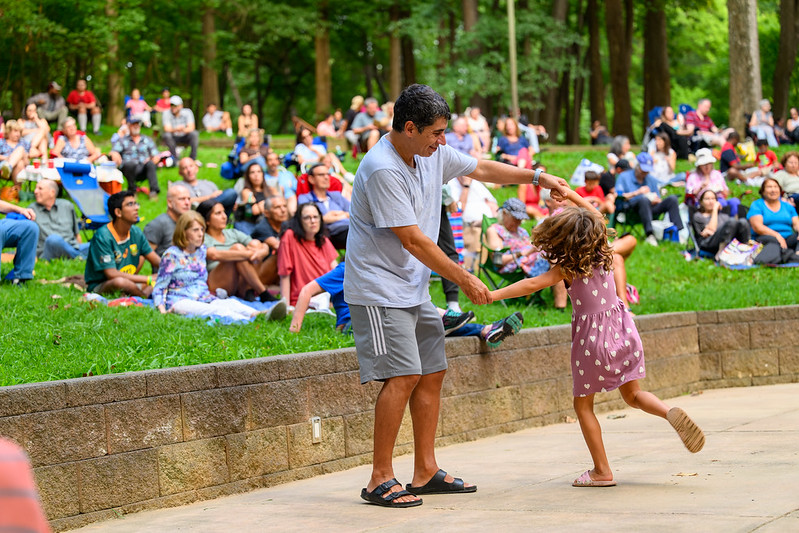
[(496, 172), (6, 207), (426, 251), (154, 259)]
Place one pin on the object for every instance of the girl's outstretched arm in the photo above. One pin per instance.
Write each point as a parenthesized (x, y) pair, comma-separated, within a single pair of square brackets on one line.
[(529, 285), (579, 200)]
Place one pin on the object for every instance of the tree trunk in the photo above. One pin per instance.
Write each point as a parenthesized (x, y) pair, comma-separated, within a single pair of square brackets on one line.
[(657, 80), (394, 55), (786, 55), (618, 23), (324, 86), (550, 116), (745, 85), (470, 17), (210, 78), (573, 111), (408, 60), (114, 112), (596, 83)]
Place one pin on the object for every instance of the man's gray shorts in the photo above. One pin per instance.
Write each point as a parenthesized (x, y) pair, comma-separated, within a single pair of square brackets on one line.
[(395, 342)]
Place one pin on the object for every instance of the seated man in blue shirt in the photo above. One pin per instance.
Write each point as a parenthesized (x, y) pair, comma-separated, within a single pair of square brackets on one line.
[(461, 140), (334, 207), (21, 232), (455, 324), (641, 192)]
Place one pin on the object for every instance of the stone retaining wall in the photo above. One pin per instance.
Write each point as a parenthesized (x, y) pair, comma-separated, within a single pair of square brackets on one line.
[(123, 443)]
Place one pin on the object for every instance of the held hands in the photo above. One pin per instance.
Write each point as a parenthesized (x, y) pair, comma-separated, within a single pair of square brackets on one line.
[(476, 291), (560, 189)]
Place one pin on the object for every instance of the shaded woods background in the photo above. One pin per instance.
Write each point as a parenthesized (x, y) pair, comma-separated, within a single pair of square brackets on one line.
[(578, 59)]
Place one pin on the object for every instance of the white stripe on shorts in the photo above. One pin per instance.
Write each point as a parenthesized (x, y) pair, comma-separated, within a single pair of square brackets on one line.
[(376, 327)]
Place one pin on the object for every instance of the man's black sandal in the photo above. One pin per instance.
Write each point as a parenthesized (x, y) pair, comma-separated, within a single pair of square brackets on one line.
[(376, 496), (437, 485)]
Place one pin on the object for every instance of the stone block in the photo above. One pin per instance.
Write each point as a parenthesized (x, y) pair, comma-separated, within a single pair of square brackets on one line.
[(118, 480), (721, 337), (774, 380), (664, 343), (707, 317), (278, 403), (672, 371), (540, 398), (247, 372), (257, 453), (786, 312), (665, 321), (346, 360), (789, 360), (105, 389), (74, 522), (306, 364), (192, 465), (58, 489), (32, 397), (460, 346), (558, 334), (17, 429), (302, 452), (479, 410), (469, 373), (749, 363), (359, 430), (181, 379), (336, 394), (710, 366), (750, 315), (67, 435), (774, 334), (214, 412), (144, 423)]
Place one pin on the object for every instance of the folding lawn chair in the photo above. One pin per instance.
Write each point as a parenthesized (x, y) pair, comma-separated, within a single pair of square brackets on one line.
[(626, 219), (490, 263), (91, 199)]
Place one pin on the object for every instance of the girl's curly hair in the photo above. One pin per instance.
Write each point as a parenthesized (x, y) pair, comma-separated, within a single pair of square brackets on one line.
[(576, 240)]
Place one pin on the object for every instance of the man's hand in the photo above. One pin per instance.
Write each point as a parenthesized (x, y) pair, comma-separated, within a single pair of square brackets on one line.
[(557, 185), (476, 291), (30, 214)]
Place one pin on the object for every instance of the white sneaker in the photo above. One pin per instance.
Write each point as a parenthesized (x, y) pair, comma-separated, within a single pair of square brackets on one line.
[(651, 240)]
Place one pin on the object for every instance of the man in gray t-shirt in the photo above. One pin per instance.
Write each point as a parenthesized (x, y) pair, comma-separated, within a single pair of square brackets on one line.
[(391, 249), (179, 128), (160, 229), (371, 124)]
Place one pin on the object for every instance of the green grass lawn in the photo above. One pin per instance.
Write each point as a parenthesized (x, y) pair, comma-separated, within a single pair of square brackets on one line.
[(49, 333)]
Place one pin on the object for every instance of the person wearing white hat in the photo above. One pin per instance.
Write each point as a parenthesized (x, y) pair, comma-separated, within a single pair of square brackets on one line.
[(705, 177), (179, 128)]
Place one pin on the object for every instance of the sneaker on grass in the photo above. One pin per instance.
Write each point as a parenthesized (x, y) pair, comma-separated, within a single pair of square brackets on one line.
[(453, 320), (501, 329)]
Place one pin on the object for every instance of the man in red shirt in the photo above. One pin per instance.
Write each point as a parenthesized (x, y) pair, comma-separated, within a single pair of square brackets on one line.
[(699, 124), (82, 101)]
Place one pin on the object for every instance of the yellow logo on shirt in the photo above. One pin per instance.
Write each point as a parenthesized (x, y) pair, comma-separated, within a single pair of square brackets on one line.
[(128, 269)]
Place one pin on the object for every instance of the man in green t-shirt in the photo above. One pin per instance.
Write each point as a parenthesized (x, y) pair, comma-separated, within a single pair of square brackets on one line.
[(118, 250)]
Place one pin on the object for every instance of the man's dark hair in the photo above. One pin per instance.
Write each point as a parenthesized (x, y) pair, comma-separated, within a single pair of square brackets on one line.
[(421, 105), (116, 200)]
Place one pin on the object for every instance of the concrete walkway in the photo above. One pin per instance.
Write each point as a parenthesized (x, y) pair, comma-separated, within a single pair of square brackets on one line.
[(745, 479)]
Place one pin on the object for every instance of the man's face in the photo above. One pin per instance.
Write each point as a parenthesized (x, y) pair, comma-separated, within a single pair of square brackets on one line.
[(129, 212), (319, 178), (187, 169), (372, 108), (460, 127), (175, 109), (211, 109), (428, 141), (135, 128), (81, 85), (704, 107), (640, 175), (272, 162), (43, 193), (278, 210), (179, 200)]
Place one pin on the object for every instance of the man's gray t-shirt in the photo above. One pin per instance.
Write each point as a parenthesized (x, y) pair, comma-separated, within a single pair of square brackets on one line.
[(159, 232), (363, 119), (184, 118), (387, 193), (200, 188), (59, 220)]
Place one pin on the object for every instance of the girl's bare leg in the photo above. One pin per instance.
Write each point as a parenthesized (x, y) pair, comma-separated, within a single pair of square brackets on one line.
[(644, 400), (592, 433)]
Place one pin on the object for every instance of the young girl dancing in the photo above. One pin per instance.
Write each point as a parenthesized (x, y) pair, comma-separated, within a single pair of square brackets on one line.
[(606, 349)]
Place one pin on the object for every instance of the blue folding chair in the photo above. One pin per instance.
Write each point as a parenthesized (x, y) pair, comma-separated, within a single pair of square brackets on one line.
[(80, 182)]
